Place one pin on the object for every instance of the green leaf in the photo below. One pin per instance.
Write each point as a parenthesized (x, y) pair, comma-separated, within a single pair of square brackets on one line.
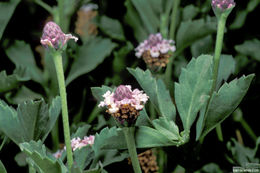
[(225, 101), (189, 12), (192, 91), (250, 48), (2, 167), (98, 92), (20, 159), (33, 120), (83, 156), (21, 55), (143, 119), (107, 157), (112, 28), (210, 168), (243, 155), (239, 20), (10, 82), (147, 137), (90, 56), (200, 28), (81, 131), (168, 128), (148, 15), (226, 68), (157, 92), (45, 162), (101, 139), (132, 18), (119, 62), (22, 95), (202, 46), (6, 12)]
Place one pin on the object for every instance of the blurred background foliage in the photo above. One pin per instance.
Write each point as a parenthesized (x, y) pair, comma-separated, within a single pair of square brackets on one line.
[(108, 34)]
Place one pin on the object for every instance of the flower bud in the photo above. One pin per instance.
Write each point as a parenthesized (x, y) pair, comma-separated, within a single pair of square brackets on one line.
[(54, 37), (222, 4)]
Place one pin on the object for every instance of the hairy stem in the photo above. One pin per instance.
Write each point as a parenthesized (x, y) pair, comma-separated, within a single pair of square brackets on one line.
[(65, 118), (130, 141), (218, 49)]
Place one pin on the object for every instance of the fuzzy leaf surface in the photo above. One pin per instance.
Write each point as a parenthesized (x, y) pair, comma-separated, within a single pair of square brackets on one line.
[(132, 18), (45, 162), (32, 120), (157, 92), (6, 11), (112, 28), (167, 128), (9, 82), (200, 28), (98, 92), (250, 48), (90, 56), (192, 91), (148, 14), (225, 101), (20, 54)]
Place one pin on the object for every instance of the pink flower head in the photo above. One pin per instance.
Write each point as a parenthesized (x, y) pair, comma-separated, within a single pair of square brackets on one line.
[(155, 45), (222, 4), (124, 96), (58, 153), (77, 143), (54, 37)]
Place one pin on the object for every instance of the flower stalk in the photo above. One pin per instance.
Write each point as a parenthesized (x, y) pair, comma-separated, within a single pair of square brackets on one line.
[(130, 141), (174, 18), (65, 118), (222, 9)]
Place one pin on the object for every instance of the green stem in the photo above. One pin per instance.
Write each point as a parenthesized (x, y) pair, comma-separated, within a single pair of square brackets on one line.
[(168, 71), (219, 133), (55, 136), (130, 141), (248, 129), (218, 49), (31, 169), (61, 13), (3, 143), (60, 75), (44, 5), (174, 18)]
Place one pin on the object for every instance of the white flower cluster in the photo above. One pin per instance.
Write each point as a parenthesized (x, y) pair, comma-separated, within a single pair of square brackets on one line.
[(76, 143), (135, 98), (156, 45)]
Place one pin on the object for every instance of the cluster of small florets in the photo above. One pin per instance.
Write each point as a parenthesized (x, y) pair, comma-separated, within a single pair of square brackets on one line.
[(124, 95), (222, 4), (84, 25), (77, 143), (124, 104), (155, 50), (147, 162), (54, 37)]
